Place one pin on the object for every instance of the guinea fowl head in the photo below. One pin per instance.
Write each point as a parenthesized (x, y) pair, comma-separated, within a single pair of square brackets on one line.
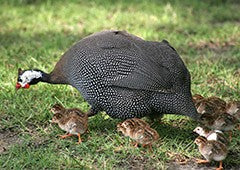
[(28, 77), (199, 130)]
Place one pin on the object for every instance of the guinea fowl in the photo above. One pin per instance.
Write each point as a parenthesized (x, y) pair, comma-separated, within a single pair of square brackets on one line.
[(123, 75)]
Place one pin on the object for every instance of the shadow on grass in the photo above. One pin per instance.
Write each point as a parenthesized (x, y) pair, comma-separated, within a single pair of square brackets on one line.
[(111, 2), (31, 49), (12, 38), (219, 8)]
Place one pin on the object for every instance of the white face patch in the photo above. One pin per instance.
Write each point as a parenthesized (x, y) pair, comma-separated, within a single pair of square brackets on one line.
[(199, 130), (27, 77)]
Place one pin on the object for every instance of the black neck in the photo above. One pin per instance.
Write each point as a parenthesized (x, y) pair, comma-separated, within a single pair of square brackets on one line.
[(46, 78), (49, 78)]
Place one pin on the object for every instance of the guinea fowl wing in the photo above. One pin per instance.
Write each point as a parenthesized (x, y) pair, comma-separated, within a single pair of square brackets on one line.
[(137, 64)]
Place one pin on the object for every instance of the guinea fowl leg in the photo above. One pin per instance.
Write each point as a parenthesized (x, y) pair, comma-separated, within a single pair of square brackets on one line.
[(202, 161), (79, 139), (65, 136), (92, 112), (220, 166)]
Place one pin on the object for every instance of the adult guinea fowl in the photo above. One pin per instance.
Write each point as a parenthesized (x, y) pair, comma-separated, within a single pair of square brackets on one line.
[(123, 75)]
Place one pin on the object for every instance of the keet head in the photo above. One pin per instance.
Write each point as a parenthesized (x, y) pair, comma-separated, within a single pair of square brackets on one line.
[(200, 140), (206, 118), (57, 108), (128, 124), (197, 97), (56, 118), (119, 127), (233, 107), (27, 78)]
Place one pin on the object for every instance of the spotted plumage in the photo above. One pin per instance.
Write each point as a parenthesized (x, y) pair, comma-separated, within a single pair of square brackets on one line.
[(126, 76)]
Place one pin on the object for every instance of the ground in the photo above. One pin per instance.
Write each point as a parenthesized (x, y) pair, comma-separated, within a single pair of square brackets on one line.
[(34, 34)]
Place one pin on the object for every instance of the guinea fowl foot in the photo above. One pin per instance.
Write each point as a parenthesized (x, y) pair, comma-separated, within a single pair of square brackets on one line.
[(91, 112), (220, 166), (65, 136), (202, 161), (79, 139)]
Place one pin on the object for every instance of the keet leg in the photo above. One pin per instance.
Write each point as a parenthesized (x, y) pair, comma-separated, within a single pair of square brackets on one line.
[(135, 145), (201, 161), (79, 139), (220, 166), (65, 136)]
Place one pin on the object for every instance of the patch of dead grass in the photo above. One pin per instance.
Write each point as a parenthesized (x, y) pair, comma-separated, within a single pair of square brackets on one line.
[(216, 44), (7, 139)]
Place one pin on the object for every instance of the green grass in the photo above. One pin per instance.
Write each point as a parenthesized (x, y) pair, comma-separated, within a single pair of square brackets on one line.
[(34, 34)]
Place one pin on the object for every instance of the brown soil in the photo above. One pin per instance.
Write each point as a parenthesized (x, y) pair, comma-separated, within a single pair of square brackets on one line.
[(135, 163), (215, 45), (192, 165), (7, 139)]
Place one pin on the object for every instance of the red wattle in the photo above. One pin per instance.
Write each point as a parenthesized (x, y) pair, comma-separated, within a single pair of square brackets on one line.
[(18, 86), (26, 86)]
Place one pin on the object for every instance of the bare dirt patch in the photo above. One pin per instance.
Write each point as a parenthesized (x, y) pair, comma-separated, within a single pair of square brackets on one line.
[(7, 139), (191, 165), (135, 162), (215, 45)]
